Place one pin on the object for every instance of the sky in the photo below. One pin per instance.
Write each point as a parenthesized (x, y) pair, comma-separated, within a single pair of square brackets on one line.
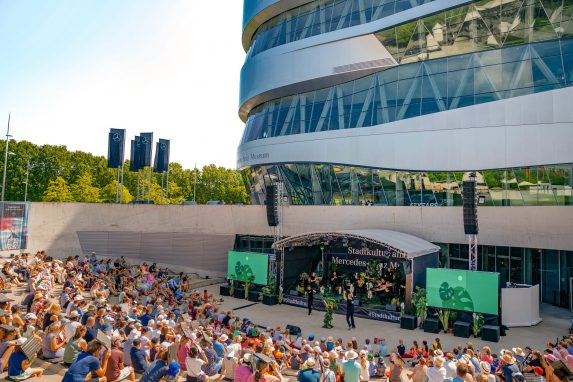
[(72, 69)]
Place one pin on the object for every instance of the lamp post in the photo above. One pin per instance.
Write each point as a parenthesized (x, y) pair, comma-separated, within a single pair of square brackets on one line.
[(26, 182), (5, 161)]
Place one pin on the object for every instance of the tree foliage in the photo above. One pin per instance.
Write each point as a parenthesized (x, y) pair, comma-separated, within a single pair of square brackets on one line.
[(59, 175)]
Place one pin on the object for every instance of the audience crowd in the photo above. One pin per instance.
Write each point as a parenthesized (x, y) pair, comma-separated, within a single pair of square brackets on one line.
[(158, 329)]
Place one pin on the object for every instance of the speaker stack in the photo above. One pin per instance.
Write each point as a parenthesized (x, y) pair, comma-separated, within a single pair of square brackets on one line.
[(470, 207), (431, 325), (272, 208), (408, 322), (490, 333)]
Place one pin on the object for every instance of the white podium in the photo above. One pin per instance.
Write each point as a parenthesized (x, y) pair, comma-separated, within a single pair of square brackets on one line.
[(520, 306)]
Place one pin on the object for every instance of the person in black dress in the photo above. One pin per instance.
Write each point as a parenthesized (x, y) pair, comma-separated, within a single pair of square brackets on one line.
[(310, 297), (350, 311)]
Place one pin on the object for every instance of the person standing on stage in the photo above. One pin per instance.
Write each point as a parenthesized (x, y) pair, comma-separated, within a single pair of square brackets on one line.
[(349, 311), (310, 298)]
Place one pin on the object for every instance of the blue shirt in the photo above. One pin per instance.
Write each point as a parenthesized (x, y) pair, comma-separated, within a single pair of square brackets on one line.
[(145, 319), (219, 349), (80, 369), (155, 372), (138, 359), (309, 375), (15, 364), (351, 370)]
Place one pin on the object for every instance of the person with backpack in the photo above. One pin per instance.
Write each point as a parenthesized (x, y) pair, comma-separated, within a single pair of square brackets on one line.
[(508, 367)]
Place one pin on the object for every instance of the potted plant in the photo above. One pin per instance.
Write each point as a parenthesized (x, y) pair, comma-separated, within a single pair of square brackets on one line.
[(444, 317), (269, 297), (246, 290), (452, 319), (477, 324), (419, 304), (232, 288)]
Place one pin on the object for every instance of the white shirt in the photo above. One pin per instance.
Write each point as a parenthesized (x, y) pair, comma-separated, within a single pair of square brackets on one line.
[(229, 365), (70, 329), (193, 366), (450, 369)]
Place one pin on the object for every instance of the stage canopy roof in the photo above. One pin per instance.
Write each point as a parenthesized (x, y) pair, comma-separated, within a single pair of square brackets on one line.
[(410, 245)]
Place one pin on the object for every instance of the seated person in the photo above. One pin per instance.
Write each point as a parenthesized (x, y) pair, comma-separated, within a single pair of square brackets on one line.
[(19, 367)]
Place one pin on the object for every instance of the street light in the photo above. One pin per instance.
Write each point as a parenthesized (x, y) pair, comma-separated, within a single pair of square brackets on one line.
[(28, 166)]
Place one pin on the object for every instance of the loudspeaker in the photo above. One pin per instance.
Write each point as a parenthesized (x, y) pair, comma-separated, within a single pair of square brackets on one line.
[(461, 329), (408, 322), (470, 207), (271, 202), (294, 330), (490, 333), (432, 325)]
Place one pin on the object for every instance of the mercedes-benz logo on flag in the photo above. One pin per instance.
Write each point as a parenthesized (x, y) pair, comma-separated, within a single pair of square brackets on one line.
[(145, 140), (163, 146), (116, 137)]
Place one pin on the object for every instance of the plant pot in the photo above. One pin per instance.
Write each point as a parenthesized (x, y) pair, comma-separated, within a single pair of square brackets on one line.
[(225, 290), (239, 292), (253, 296), (270, 299)]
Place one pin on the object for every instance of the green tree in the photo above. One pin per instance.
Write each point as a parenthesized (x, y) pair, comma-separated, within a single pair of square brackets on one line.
[(83, 190), (58, 191), (108, 193)]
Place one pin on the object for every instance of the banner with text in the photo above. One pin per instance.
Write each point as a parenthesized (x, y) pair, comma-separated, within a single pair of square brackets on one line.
[(13, 226)]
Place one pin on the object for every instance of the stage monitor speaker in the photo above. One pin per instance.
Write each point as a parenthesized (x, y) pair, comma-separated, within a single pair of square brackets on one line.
[(470, 207), (490, 333), (432, 325), (294, 330), (408, 322), (271, 203), (461, 329)]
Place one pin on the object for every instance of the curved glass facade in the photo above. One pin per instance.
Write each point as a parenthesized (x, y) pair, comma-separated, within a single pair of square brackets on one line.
[(328, 184), (412, 90), (323, 16)]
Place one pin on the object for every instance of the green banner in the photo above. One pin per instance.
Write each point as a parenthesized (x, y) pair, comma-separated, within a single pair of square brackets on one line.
[(248, 266), (462, 290)]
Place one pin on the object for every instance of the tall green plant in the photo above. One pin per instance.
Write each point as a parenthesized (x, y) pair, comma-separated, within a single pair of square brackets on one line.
[(444, 317), (419, 302), (477, 324)]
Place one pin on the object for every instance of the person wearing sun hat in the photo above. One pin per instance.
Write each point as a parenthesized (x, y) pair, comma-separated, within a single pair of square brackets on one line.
[(351, 368), (437, 373), (309, 373), (509, 367), (486, 370)]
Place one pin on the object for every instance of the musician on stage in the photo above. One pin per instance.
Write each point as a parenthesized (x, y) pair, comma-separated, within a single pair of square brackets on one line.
[(310, 298), (350, 311)]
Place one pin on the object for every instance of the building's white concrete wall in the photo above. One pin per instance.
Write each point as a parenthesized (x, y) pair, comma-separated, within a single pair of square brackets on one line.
[(54, 226)]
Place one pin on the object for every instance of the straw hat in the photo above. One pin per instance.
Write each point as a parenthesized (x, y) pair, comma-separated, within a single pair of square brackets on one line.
[(485, 367), (508, 358), (351, 354), (518, 351), (310, 362)]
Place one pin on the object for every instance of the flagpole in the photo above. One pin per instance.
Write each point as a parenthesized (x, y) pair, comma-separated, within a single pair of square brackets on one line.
[(195, 183), (5, 163), (167, 186)]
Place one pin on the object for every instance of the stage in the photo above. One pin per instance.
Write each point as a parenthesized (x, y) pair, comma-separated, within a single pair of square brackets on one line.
[(359, 311), (379, 268)]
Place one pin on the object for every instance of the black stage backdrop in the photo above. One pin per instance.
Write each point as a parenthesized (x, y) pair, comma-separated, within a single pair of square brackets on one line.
[(298, 260)]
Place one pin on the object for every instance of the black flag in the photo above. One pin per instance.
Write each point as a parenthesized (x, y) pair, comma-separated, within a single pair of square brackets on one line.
[(146, 146), (115, 148), (135, 154), (161, 162)]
